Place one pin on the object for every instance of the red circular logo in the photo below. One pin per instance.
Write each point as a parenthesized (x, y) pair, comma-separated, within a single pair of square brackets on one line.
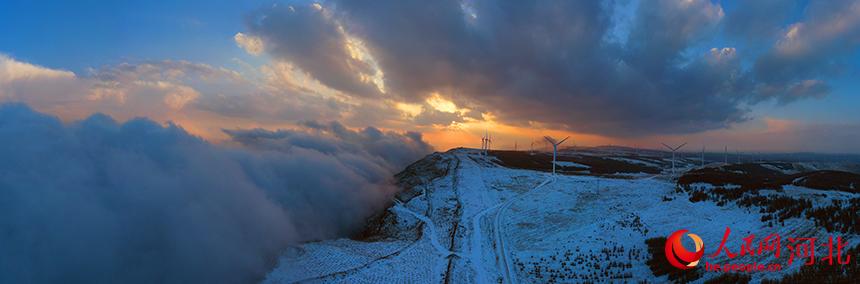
[(679, 256)]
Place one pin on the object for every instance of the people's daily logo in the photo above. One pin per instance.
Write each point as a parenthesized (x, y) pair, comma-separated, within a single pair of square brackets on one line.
[(678, 255), (830, 252)]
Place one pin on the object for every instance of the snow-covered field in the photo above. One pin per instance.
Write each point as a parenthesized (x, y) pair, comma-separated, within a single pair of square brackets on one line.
[(482, 223), (572, 164)]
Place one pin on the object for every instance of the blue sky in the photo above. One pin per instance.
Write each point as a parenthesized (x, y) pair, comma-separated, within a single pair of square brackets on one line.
[(486, 61), (76, 35)]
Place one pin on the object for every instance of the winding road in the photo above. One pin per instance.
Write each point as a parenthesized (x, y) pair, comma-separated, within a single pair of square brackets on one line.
[(502, 254)]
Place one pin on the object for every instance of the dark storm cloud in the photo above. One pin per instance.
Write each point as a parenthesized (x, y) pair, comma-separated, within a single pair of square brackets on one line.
[(97, 201), (758, 21), (430, 116), (275, 106), (389, 151), (662, 29), (553, 62), (307, 37)]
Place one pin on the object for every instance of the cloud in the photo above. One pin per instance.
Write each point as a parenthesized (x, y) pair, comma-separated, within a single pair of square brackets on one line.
[(805, 89), (138, 202), (542, 62), (392, 149), (156, 89), (773, 135), (21, 81), (758, 21), (202, 97), (812, 48), (251, 45), (431, 116), (561, 64), (664, 28), (308, 36), (11, 70)]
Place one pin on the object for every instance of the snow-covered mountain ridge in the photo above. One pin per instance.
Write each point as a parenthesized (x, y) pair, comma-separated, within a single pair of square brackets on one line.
[(462, 217)]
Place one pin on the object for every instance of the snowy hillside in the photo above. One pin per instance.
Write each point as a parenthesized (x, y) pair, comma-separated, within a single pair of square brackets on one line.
[(462, 217)]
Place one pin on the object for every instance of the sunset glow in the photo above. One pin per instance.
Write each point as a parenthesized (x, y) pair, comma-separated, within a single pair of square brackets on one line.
[(440, 141)]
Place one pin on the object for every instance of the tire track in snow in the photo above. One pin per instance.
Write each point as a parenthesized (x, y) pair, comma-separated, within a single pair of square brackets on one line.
[(434, 238), (477, 237), (475, 254), (477, 234), (458, 213)]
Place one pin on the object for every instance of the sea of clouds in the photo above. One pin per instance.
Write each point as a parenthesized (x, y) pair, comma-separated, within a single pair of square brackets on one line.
[(98, 201)]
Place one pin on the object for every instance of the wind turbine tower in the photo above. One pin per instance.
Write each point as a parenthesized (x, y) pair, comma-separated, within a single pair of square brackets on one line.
[(483, 143), (703, 156), (489, 142), (673, 154), (554, 149)]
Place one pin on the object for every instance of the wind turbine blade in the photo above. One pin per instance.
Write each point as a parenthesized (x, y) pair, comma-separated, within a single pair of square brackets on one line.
[(562, 140), (667, 146), (682, 145), (551, 141)]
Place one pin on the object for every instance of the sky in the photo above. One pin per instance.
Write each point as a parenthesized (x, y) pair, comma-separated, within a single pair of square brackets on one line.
[(753, 76)]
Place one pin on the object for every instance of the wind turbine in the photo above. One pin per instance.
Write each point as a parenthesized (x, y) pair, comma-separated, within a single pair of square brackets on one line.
[(703, 156), (673, 154), (554, 149), (483, 143), (489, 142)]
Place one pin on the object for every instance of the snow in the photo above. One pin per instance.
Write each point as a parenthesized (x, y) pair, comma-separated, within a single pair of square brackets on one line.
[(572, 164), (431, 229), (636, 161), (487, 224), (778, 169), (705, 185), (819, 198)]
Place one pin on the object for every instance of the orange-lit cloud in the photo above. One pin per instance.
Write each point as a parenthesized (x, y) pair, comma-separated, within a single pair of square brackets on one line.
[(442, 104), (251, 44), (205, 100)]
